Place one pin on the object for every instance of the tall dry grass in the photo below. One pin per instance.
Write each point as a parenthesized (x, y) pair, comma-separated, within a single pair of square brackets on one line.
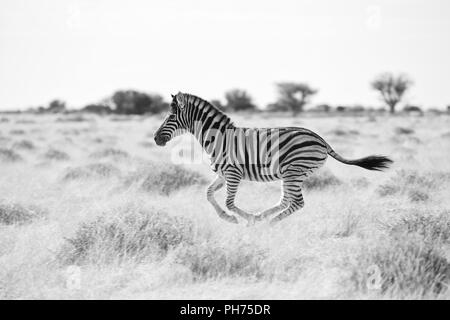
[(114, 218)]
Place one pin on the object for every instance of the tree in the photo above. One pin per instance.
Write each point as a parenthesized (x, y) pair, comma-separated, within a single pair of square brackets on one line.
[(134, 102), (391, 88), (322, 108), (239, 100), (56, 106), (97, 108), (294, 95)]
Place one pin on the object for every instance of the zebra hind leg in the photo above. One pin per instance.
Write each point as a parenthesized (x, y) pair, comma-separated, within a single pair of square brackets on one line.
[(212, 188), (292, 195)]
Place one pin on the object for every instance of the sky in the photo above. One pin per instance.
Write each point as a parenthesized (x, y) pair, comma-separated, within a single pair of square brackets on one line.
[(82, 51)]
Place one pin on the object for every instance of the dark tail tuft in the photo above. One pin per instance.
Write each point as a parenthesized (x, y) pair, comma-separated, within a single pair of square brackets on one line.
[(377, 163)]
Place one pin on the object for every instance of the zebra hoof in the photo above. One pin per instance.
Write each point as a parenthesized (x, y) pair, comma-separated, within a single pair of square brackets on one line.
[(231, 219), (273, 222)]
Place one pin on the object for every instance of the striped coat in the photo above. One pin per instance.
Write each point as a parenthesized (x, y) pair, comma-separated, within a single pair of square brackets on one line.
[(289, 154)]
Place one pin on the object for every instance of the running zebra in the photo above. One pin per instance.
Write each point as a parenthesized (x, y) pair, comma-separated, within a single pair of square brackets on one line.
[(289, 154)]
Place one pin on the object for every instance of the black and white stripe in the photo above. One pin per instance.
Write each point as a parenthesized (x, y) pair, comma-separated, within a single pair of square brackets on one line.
[(289, 154)]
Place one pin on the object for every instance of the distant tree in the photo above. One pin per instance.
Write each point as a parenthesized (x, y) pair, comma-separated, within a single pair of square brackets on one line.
[(357, 108), (134, 102), (294, 95), (413, 109), (274, 107), (391, 88), (322, 108), (56, 106), (97, 108), (239, 100), (341, 108)]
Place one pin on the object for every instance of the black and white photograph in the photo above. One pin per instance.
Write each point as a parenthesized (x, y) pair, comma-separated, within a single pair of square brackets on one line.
[(224, 150)]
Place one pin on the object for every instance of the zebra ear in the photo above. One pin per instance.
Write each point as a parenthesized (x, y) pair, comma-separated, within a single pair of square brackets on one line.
[(180, 100), (172, 96)]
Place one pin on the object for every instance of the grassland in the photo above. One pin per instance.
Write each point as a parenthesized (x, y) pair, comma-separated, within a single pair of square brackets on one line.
[(90, 207)]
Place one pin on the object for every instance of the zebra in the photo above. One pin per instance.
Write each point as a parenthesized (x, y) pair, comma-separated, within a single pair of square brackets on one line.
[(289, 154)]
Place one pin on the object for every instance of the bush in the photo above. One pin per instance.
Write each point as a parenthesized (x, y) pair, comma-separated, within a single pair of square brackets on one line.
[(210, 260), (134, 102), (109, 153), (8, 155), (239, 100), (165, 178), (97, 108), (417, 195), (406, 267), (321, 179), (72, 118), (94, 170), (429, 227), (135, 234), (413, 183), (13, 213), (57, 155), (24, 144), (17, 132), (341, 132), (400, 130)]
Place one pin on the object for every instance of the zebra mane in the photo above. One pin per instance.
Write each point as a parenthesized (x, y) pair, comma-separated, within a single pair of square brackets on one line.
[(206, 106)]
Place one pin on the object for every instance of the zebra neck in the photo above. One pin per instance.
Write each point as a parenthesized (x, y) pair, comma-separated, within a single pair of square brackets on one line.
[(210, 129)]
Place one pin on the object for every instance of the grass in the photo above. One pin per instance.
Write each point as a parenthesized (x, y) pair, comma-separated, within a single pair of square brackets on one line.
[(17, 214), (109, 153), (24, 145), (136, 225), (134, 234), (164, 179), (9, 156), (407, 269), (56, 155), (321, 179), (91, 171)]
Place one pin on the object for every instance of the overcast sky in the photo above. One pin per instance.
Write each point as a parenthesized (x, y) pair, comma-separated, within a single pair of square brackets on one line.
[(81, 51)]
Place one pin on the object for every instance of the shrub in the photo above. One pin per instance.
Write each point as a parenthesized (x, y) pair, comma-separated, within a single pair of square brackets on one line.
[(400, 130), (406, 267), (320, 180), (109, 153), (165, 178), (8, 155), (414, 183), (53, 154), (24, 144), (417, 195), (17, 132), (13, 213), (94, 170), (341, 132), (135, 234), (210, 260), (72, 118), (429, 227)]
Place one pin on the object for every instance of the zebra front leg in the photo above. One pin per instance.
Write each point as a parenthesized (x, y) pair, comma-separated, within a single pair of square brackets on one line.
[(213, 187), (233, 179)]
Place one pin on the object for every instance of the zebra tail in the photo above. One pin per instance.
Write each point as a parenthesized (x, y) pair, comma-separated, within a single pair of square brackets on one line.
[(375, 162)]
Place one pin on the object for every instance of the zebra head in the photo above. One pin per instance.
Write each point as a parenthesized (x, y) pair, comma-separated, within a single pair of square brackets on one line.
[(176, 121)]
